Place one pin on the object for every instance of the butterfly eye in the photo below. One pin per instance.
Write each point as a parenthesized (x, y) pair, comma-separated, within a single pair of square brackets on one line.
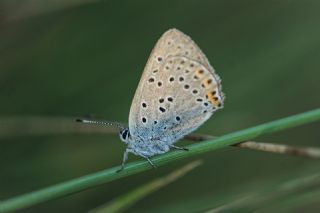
[(124, 134)]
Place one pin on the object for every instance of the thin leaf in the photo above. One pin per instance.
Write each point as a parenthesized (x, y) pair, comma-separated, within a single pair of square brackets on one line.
[(108, 175)]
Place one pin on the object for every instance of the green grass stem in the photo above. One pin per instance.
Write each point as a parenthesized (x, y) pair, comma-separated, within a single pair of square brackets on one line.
[(110, 174)]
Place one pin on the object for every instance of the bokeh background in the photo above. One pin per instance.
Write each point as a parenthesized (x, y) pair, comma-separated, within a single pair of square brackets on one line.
[(65, 59)]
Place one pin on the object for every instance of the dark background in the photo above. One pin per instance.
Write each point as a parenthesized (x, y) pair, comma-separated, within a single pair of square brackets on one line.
[(86, 57)]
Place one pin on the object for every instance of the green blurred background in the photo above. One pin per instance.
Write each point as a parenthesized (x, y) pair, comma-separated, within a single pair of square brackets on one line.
[(72, 58)]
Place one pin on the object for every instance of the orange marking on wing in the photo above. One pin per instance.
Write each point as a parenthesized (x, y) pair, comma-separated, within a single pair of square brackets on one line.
[(213, 99), (207, 82), (199, 73)]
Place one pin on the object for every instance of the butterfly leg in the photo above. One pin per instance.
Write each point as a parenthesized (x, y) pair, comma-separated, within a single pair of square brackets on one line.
[(125, 157), (148, 159), (180, 148), (151, 163)]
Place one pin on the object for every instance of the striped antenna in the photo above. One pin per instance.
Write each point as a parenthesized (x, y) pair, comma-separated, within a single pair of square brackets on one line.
[(107, 123)]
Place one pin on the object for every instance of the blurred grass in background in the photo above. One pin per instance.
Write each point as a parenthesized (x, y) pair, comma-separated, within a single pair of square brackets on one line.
[(71, 58)]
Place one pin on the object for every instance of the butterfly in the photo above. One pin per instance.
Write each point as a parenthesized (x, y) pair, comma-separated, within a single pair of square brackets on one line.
[(178, 91)]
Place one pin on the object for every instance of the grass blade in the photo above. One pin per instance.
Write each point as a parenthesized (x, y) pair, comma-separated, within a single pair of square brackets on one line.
[(108, 175)]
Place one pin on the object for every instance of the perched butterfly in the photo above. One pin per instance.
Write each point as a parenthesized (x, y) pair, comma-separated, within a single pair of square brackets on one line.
[(178, 92)]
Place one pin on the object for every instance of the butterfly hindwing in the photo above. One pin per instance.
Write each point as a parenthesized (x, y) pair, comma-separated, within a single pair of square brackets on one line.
[(178, 91)]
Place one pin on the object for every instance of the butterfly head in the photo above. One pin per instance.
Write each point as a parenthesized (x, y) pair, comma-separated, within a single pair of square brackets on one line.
[(124, 135)]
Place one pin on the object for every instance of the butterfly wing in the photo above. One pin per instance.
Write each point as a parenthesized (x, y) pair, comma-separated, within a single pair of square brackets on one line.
[(178, 91)]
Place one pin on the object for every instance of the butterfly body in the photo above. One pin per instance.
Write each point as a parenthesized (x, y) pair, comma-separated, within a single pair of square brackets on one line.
[(142, 147)]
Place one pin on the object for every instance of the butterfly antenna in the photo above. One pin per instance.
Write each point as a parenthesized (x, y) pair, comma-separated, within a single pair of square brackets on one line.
[(106, 123)]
